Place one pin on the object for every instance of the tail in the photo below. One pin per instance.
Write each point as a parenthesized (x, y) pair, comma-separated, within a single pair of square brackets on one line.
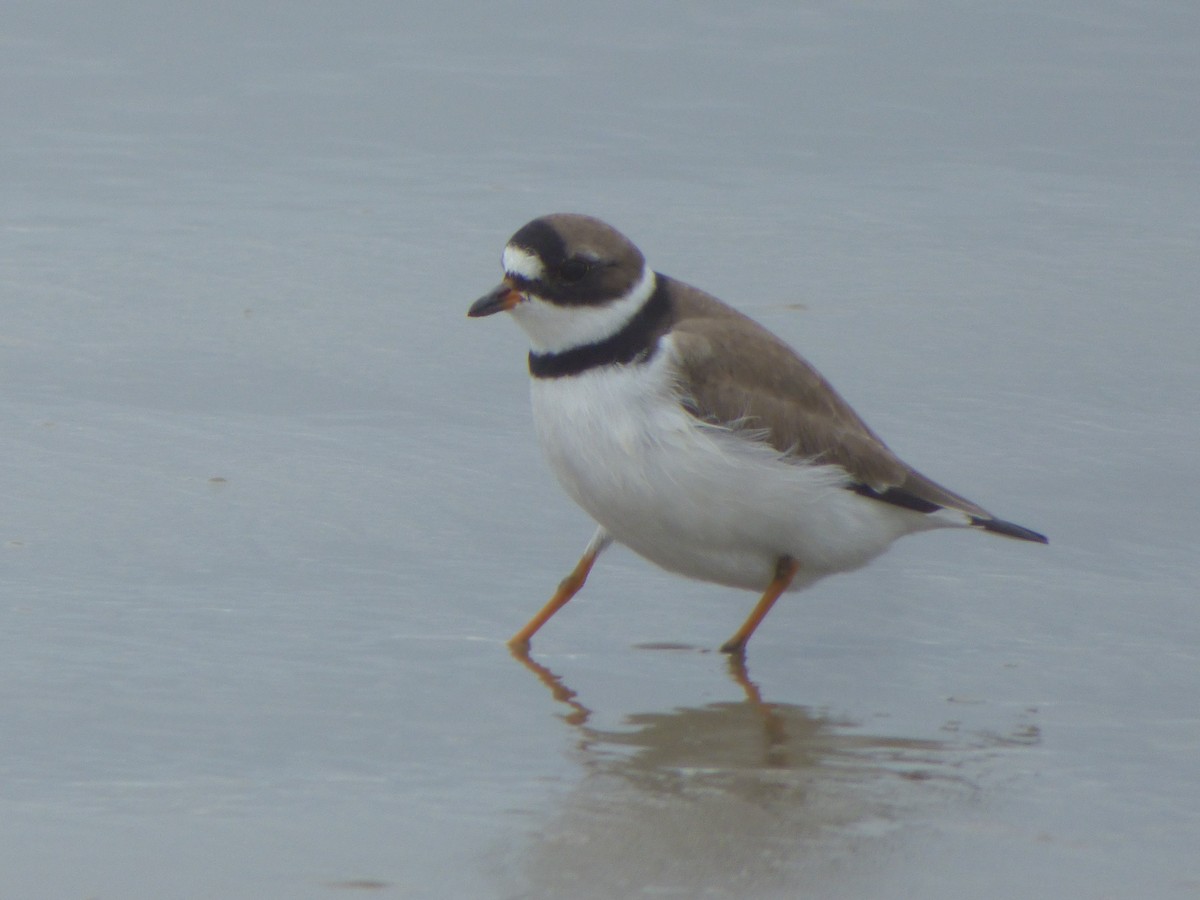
[(1008, 529)]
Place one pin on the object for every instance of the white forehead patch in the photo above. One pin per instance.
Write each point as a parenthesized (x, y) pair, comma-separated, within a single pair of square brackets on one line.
[(517, 261)]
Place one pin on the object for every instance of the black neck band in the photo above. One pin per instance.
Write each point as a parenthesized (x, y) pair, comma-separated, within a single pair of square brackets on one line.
[(635, 342)]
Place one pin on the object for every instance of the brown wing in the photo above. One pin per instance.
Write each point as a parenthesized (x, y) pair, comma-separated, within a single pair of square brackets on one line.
[(736, 373)]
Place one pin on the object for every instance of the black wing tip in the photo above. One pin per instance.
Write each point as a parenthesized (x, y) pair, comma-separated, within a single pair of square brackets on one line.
[(1008, 529), (905, 500), (897, 497)]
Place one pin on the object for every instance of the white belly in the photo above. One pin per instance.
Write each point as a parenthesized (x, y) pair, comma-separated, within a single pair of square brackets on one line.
[(699, 500)]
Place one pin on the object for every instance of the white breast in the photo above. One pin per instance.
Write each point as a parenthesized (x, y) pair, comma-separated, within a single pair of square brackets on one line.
[(696, 499)]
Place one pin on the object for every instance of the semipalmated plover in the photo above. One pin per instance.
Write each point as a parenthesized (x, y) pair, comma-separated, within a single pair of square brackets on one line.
[(693, 435)]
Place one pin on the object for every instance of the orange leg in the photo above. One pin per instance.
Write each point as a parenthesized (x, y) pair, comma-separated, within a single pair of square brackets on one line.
[(785, 571), (567, 589)]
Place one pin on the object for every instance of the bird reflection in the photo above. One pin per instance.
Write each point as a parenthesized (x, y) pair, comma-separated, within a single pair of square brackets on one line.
[(741, 734), (741, 798), (579, 713)]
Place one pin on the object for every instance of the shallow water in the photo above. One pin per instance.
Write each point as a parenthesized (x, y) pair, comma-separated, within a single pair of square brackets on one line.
[(272, 505)]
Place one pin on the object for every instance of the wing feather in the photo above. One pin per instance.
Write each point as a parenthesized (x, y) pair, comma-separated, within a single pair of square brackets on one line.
[(772, 391)]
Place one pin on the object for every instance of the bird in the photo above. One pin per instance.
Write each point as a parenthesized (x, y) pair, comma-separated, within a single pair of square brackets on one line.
[(694, 436)]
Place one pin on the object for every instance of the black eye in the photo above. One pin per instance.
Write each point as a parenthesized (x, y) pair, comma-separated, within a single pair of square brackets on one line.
[(574, 269)]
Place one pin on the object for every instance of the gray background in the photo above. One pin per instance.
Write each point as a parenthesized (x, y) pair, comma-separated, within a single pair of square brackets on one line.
[(271, 505)]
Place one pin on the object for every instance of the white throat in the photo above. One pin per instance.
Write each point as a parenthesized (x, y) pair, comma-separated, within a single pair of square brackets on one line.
[(553, 329)]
